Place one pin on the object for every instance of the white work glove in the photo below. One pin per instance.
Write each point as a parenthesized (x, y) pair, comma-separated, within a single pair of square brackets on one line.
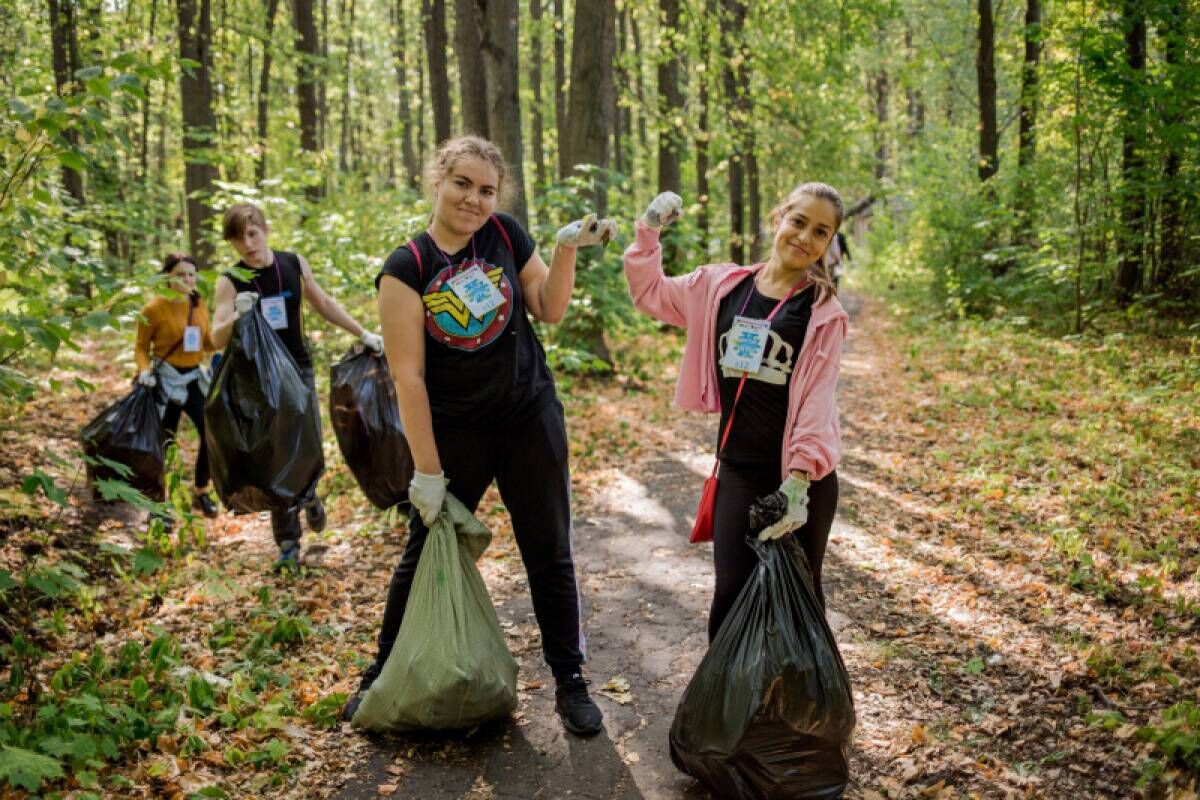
[(663, 210), (587, 231), (147, 378), (243, 303), (372, 341), (796, 491), (427, 493)]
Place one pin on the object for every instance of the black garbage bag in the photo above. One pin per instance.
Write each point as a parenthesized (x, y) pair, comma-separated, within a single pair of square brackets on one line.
[(769, 713), (366, 419), (262, 424), (128, 432)]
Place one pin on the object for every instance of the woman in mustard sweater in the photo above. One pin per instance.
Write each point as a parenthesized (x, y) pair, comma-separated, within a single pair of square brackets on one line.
[(172, 339)]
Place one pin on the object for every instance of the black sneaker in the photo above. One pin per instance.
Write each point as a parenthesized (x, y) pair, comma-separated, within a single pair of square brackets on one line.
[(352, 704), (314, 515), (579, 714), (289, 556), (203, 503)]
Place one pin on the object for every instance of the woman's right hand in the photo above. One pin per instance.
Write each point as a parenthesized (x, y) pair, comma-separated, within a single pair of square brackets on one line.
[(146, 378), (663, 210), (427, 493)]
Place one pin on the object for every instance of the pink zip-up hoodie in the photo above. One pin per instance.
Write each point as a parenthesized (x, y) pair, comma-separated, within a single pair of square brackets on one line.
[(812, 438)]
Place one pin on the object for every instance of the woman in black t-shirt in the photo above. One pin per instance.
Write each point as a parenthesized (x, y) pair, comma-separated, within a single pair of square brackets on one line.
[(476, 396)]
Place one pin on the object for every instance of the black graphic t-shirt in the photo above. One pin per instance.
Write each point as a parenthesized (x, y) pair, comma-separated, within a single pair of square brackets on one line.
[(756, 438), (289, 282), (479, 372)]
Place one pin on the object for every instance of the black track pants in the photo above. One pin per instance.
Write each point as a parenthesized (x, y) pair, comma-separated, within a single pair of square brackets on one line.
[(733, 559), (194, 408), (529, 464)]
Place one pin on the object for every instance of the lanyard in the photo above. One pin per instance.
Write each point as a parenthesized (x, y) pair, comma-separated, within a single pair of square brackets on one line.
[(442, 252), (278, 277), (778, 305)]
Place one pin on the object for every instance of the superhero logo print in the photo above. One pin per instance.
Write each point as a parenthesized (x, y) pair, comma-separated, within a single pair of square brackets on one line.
[(449, 321)]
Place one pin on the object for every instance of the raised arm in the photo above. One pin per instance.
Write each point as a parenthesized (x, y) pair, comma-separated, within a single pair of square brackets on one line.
[(548, 289)]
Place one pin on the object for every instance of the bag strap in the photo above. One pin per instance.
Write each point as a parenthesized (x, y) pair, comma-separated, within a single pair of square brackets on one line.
[(417, 255), (503, 234), (742, 382)]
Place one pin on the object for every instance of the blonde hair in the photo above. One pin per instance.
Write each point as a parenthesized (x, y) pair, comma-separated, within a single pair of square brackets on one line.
[(450, 151), (818, 273)]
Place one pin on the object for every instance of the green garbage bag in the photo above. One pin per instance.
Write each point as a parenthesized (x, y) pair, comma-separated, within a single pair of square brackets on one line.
[(449, 667)]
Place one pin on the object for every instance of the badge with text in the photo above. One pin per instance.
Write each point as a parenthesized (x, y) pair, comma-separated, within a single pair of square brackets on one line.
[(191, 339), (275, 312), (478, 293), (746, 343)]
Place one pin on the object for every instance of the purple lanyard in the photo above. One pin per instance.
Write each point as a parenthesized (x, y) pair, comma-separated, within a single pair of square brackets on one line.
[(278, 276), (442, 252)]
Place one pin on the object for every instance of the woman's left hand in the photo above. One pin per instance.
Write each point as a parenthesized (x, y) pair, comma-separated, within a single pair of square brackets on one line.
[(796, 491), (587, 231)]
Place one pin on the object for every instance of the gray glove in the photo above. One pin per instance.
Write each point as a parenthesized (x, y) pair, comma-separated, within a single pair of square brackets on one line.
[(796, 491), (663, 210), (243, 303), (147, 378), (427, 493), (587, 231)]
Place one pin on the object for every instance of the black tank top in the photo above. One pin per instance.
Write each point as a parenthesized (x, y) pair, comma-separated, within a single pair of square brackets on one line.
[(266, 282)]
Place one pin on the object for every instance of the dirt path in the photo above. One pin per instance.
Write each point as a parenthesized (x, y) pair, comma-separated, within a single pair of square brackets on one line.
[(952, 687)]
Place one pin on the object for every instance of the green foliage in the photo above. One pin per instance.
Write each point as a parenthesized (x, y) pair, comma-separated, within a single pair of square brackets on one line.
[(27, 770), (1176, 734)]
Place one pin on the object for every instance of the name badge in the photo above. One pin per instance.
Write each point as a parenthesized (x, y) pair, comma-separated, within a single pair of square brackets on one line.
[(275, 312), (191, 339), (478, 293), (746, 343)]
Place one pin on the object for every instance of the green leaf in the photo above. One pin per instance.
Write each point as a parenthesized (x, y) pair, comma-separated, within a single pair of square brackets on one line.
[(146, 561), (26, 769), (6, 581), (40, 480), (72, 160)]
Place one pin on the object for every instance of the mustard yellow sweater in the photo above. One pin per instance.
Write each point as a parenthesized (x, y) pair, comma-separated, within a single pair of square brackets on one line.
[(163, 329)]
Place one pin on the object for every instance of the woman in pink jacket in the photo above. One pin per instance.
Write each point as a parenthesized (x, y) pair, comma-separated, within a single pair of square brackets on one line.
[(780, 325)]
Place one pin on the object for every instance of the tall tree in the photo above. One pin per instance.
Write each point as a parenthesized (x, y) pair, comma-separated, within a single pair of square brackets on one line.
[(64, 47), (309, 49), (1174, 235), (670, 100), (469, 21), (500, 45), (1026, 136), (1132, 198), (264, 91), (537, 123), (733, 20), (346, 148), (592, 45), (985, 71), (404, 112), (199, 123), (702, 126), (436, 41), (560, 82)]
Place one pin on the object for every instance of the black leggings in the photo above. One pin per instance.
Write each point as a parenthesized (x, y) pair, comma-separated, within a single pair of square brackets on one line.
[(194, 408), (734, 560), (529, 464)]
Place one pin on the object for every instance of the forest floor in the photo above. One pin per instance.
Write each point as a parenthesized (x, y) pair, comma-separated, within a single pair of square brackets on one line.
[(977, 670)]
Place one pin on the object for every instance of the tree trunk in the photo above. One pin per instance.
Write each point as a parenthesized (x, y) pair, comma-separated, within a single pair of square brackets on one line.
[(537, 123), (64, 46), (501, 42), (346, 148), (1172, 256), (639, 87), (622, 79), (916, 105), (880, 90), (1132, 196), (733, 20), (560, 82), (144, 142), (404, 111), (985, 70), (309, 50), (702, 132), (670, 101), (436, 42), (199, 124), (264, 93), (588, 124), (1026, 136), (469, 19)]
